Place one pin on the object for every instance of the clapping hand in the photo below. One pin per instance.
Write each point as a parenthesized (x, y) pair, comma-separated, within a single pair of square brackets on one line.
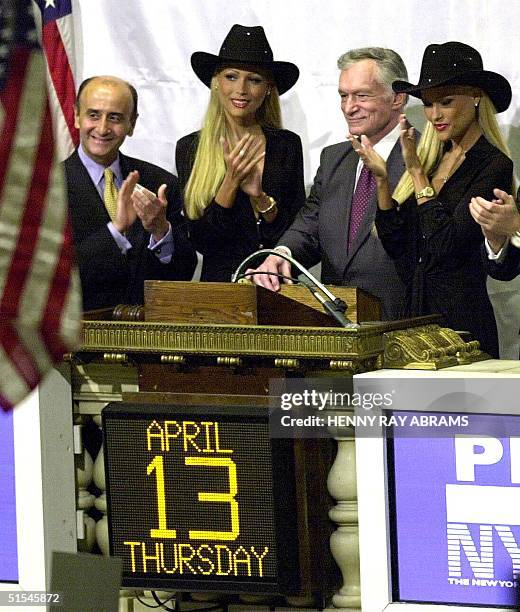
[(134, 201), (125, 212), (151, 209), (372, 160), (408, 145), (243, 163), (498, 218)]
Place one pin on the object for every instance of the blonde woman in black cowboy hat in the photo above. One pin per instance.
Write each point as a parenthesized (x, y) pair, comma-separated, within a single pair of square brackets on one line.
[(426, 225), (242, 174)]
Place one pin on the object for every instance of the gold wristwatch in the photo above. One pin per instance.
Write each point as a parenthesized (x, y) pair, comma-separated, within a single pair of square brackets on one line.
[(271, 205), (427, 192)]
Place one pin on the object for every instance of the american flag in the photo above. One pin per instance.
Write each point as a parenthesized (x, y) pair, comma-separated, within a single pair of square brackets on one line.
[(40, 306), (55, 23)]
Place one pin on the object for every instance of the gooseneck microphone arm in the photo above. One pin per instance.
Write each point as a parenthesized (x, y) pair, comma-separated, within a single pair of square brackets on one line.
[(332, 308), (334, 305), (264, 252)]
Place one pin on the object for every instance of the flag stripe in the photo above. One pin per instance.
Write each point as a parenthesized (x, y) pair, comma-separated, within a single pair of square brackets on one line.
[(10, 100), (43, 283), (19, 173), (60, 73), (57, 297), (46, 256), (20, 358), (13, 386), (64, 142), (22, 258)]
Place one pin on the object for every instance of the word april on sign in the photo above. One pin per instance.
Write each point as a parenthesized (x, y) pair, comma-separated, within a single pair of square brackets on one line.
[(201, 436)]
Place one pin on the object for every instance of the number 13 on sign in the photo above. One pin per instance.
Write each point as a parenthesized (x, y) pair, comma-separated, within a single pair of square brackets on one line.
[(163, 532)]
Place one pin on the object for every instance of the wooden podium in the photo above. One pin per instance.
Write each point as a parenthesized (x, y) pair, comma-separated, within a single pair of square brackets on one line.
[(247, 304), (197, 359)]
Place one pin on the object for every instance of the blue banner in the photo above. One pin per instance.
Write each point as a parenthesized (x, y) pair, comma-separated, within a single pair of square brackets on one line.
[(8, 548), (457, 516)]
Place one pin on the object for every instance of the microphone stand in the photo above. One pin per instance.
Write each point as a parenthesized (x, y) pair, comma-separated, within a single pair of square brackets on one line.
[(334, 306)]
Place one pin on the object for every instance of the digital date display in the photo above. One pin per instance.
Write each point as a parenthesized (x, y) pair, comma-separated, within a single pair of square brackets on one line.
[(192, 498)]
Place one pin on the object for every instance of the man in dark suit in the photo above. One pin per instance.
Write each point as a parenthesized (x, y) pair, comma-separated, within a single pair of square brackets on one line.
[(329, 228), (125, 212), (500, 222)]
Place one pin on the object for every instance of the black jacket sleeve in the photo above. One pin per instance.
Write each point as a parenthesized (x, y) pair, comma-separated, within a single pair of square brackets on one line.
[(506, 270)]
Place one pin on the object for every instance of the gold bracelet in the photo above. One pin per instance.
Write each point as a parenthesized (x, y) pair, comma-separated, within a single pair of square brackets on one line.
[(425, 192), (272, 204)]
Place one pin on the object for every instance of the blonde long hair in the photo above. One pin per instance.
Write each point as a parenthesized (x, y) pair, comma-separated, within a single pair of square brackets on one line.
[(429, 149), (209, 167)]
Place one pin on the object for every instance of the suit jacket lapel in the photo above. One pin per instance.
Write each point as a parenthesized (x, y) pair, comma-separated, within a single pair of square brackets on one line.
[(395, 166), (85, 202), (343, 204)]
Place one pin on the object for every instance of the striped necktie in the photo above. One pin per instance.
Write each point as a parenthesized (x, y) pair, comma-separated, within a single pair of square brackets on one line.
[(110, 193)]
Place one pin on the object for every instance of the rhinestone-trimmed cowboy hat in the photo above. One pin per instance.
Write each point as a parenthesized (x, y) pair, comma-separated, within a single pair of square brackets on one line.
[(248, 46), (454, 63)]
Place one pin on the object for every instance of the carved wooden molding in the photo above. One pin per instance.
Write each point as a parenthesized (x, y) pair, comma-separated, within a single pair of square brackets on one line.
[(162, 338)]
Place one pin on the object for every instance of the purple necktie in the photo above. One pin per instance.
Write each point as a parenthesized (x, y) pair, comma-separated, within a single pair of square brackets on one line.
[(363, 195)]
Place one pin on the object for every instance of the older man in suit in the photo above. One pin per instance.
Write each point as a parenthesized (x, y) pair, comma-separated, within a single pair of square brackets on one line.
[(125, 212), (336, 225)]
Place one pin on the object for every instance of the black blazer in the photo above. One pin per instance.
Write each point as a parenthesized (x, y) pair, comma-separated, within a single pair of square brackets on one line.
[(436, 246), (506, 270), (107, 276), (320, 230), (226, 236), (509, 268)]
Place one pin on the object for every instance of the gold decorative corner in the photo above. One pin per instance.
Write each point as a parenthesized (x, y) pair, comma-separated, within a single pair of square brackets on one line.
[(469, 352), (428, 347)]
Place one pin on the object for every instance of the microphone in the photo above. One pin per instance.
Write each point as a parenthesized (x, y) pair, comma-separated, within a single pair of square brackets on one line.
[(334, 306), (331, 308)]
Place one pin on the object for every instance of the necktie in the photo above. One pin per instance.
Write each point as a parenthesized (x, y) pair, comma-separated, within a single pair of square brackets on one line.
[(363, 195), (110, 193)]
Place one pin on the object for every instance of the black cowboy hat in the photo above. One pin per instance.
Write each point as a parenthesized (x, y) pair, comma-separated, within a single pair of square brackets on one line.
[(248, 46), (454, 63)]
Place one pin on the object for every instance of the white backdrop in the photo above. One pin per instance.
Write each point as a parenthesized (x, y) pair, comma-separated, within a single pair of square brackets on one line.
[(149, 42)]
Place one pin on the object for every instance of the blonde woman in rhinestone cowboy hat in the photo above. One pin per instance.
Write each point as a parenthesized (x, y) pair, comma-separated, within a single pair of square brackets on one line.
[(241, 174), (426, 225)]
